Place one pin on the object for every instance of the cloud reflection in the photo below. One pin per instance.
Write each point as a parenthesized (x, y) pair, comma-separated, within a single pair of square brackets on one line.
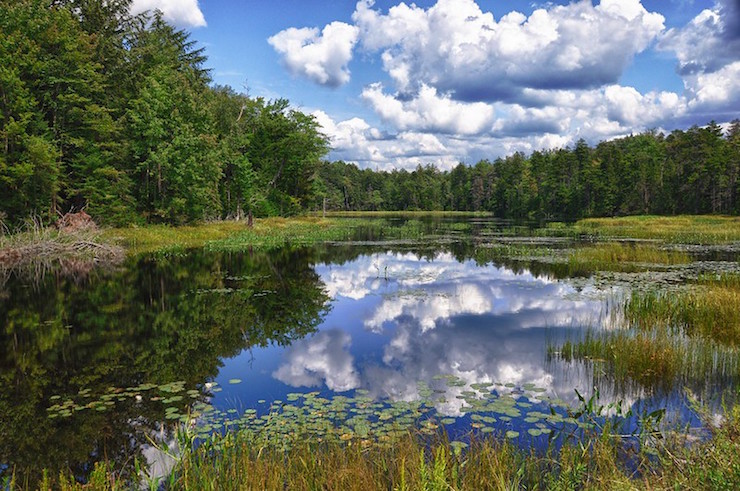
[(323, 358), (441, 317)]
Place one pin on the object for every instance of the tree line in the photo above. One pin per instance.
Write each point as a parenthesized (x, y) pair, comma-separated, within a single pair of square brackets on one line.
[(686, 172), (117, 114)]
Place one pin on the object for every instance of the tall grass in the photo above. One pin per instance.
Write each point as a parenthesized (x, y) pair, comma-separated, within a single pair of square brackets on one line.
[(668, 339), (655, 360), (693, 229), (239, 461), (231, 236), (409, 214), (616, 256), (711, 309)]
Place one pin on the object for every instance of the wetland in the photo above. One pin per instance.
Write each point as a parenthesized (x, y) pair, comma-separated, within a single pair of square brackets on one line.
[(360, 332)]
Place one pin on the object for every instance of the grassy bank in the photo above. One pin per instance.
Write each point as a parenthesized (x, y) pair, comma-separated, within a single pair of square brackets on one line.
[(406, 214), (268, 232), (616, 256), (243, 461), (684, 229), (710, 310)]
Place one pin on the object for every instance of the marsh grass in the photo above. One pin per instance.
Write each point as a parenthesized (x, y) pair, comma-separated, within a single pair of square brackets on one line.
[(233, 236), (618, 255), (238, 461), (407, 214), (655, 360), (410, 464), (711, 309), (688, 229), (665, 339)]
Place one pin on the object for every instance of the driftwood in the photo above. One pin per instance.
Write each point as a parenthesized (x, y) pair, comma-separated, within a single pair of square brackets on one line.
[(73, 251)]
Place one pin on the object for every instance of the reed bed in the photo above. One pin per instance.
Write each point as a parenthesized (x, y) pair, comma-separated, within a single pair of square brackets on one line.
[(667, 340), (655, 360), (617, 256), (711, 309), (241, 461), (684, 229)]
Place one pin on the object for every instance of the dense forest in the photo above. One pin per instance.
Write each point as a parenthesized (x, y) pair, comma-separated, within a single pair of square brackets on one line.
[(690, 172), (116, 114)]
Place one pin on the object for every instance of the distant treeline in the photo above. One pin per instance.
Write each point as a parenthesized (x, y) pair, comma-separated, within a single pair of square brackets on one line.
[(116, 114), (693, 171)]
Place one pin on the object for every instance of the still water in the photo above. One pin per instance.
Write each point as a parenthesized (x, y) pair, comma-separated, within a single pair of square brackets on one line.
[(96, 368)]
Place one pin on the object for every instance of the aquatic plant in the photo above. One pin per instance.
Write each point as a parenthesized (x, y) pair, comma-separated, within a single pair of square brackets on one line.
[(236, 460), (710, 309), (614, 256), (684, 229)]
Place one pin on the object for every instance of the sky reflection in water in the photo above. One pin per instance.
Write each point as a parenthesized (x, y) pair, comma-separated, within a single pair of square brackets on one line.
[(398, 319)]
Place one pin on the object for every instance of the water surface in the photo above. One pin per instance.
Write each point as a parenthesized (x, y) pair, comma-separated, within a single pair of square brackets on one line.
[(96, 368)]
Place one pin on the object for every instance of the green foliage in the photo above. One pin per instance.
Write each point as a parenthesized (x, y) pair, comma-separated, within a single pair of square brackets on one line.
[(693, 171), (709, 311), (62, 411), (114, 113), (684, 229)]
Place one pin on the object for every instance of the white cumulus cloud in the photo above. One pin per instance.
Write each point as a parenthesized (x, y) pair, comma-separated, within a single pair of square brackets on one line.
[(456, 47), (465, 85), (320, 57), (707, 43), (430, 111), (184, 13)]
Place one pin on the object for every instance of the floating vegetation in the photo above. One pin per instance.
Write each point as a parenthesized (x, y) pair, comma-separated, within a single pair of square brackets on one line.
[(176, 401), (485, 407)]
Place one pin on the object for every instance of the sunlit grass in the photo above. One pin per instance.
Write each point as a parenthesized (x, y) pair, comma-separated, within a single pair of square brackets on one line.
[(239, 461), (656, 360), (617, 256), (668, 339), (711, 309), (230, 235), (618, 252), (410, 214), (692, 229)]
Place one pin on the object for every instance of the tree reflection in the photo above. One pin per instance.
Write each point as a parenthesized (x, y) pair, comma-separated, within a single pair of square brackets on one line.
[(156, 320)]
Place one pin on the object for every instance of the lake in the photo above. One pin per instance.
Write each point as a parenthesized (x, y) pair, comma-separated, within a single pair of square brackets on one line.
[(421, 320)]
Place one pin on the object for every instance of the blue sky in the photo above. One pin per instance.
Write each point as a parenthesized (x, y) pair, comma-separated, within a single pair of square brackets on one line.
[(443, 81)]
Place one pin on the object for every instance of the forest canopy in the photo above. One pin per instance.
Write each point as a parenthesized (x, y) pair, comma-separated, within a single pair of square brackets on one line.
[(117, 114), (686, 172)]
